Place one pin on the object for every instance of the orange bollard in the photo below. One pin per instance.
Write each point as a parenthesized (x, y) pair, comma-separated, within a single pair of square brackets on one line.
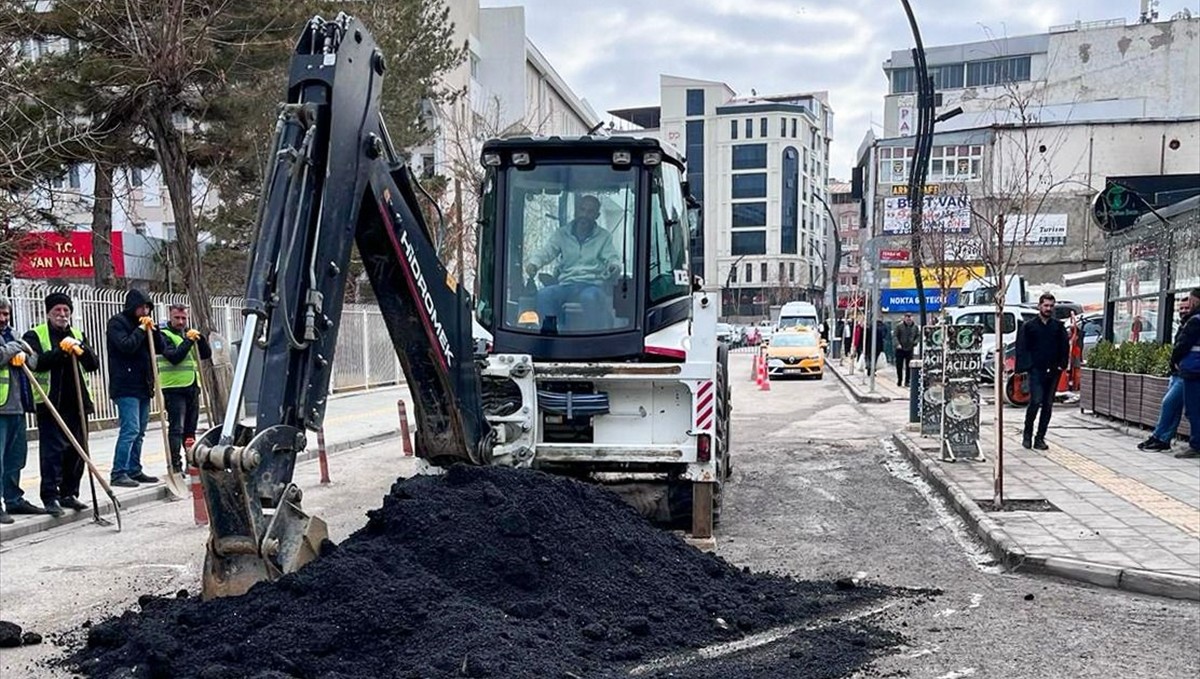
[(754, 365), (322, 458), (406, 440), (199, 509), (764, 383)]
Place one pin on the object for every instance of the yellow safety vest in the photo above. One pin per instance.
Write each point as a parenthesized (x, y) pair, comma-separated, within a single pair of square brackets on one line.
[(176, 375), (4, 376), (43, 377)]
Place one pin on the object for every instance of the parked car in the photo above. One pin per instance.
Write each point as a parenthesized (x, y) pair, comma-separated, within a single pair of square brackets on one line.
[(1093, 332), (725, 333)]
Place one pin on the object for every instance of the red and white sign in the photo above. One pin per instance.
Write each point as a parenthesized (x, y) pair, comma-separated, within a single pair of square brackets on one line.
[(49, 254), (897, 255)]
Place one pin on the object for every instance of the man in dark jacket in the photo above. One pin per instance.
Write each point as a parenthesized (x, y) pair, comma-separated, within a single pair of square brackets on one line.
[(54, 342), (131, 383), (907, 333), (178, 369), (1043, 352), (1170, 411), (1185, 358)]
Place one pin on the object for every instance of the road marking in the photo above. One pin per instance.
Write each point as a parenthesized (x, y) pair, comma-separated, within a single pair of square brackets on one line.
[(1154, 502), (750, 642), (959, 674)]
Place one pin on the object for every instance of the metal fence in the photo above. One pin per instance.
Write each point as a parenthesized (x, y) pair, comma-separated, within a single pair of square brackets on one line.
[(365, 356)]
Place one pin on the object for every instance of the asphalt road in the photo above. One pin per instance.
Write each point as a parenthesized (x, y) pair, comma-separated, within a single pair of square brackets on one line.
[(816, 493)]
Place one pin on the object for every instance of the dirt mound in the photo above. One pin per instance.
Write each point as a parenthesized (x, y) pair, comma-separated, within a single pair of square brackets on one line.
[(490, 572)]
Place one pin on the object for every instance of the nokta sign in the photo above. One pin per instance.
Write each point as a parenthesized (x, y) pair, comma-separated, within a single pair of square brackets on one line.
[(900, 300), (53, 255)]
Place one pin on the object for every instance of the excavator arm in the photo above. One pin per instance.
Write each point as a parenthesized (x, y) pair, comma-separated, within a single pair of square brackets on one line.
[(334, 179)]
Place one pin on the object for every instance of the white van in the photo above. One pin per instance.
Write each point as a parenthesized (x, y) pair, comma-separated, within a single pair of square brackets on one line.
[(797, 314)]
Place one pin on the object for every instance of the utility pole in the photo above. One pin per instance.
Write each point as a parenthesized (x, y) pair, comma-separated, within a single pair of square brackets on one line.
[(924, 145)]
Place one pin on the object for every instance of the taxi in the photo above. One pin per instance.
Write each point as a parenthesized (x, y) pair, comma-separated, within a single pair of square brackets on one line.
[(796, 352)]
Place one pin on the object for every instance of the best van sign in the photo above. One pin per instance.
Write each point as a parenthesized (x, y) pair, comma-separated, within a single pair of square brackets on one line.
[(53, 255), (943, 214)]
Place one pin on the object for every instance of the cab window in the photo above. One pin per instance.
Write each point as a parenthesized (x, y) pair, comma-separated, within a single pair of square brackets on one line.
[(668, 236)]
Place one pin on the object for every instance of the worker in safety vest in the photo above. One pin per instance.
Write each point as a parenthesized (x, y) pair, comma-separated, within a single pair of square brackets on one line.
[(16, 399), (178, 371), (53, 343)]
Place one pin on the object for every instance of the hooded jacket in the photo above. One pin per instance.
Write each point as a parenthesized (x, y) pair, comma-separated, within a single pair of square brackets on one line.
[(129, 370), (1187, 343)]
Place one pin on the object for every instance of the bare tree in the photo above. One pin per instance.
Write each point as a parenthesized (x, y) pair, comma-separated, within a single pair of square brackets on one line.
[(1018, 183)]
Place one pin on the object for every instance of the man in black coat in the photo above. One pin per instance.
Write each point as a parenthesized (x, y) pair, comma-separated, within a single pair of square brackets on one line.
[(1185, 358), (1043, 351), (54, 342), (131, 383)]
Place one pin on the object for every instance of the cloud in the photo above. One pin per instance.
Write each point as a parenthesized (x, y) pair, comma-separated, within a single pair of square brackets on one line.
[(611, 52)]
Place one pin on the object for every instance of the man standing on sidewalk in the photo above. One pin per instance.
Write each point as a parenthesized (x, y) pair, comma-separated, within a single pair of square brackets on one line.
[(1171, 410), (130, 384), (1042, 353), (56, 341), (907, 334), (16, 399), (1185, 357), (178, 369)]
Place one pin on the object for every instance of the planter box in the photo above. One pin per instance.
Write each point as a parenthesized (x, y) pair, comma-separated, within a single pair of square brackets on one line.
[(1087, 389), (1153, 390), (1131, 399), (1102, 405)]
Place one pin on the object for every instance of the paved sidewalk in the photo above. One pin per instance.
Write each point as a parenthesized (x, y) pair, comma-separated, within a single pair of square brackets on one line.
[(352, 420), (1127, 518)]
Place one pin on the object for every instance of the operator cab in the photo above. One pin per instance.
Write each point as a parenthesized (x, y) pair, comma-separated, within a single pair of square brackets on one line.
[(583, 247)]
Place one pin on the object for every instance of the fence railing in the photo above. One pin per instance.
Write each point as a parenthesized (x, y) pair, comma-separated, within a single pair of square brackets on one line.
[(365, 356)]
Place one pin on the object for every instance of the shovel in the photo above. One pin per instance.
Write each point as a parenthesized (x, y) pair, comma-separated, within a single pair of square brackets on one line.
[(86, 446), (173, 482), (78, 448)]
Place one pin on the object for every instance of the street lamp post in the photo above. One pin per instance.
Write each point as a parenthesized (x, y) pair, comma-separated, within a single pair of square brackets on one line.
[(729, 279)]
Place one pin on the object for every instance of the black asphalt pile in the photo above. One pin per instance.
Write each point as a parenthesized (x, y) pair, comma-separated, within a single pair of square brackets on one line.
[(492, 572)]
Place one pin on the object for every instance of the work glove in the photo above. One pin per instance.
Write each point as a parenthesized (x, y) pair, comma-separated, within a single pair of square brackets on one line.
[(71, 346), (192, 334), (147, 322), (613, 269), (18, 360)]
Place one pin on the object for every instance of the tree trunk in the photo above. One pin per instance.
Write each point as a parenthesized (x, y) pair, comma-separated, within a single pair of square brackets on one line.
[(103, 274), (177, 175)]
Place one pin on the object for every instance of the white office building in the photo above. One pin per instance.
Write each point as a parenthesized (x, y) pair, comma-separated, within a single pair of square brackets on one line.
[(757, 164)]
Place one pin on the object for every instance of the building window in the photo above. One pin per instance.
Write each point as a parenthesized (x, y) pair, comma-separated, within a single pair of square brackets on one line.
[(903, 80), (750, 185), (749, 215), (733, 274), (789, 205), (733, 129), (749, 128), (427, 165), (474, 59), (894, 163), (764, 268), (750, 157), (947, 76), (749, 243), (955, 163), (749, 273), (997, 71), (139, 228), (762, 127), (135, 177), (169, 228), (793, 128), (792, 272), (73, 177), (781, 270), (783, 127), (695, 102)]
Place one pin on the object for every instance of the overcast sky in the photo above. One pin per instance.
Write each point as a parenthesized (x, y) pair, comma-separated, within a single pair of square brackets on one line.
[(611, 52)]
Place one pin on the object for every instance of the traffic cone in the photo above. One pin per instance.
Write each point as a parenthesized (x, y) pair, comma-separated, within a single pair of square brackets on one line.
[(754, 366), (199, 509), (764, 383)]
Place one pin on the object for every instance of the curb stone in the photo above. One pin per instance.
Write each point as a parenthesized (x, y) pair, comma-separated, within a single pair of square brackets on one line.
[(1014, 557), (855, 390), (159, 491)]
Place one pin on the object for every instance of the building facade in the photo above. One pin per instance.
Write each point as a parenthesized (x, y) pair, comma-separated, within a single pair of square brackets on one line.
[(759, 166), (1046, 121), (847, 211)]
